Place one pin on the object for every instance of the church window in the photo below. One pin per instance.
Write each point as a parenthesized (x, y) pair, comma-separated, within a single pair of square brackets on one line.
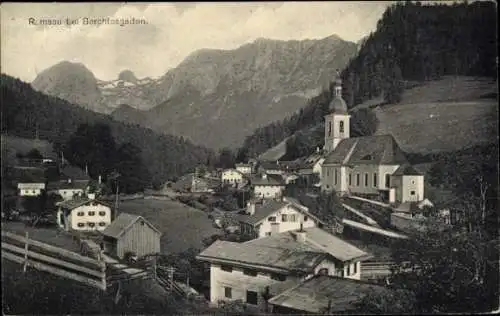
[(341, 127), (330, 128), (335, 176), (375, 180), (327, 172), (350, 179), (366, 179), (387, 180), (357, 179)]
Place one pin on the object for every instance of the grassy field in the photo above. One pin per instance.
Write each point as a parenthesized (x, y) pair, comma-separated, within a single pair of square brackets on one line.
[(13, 144), (439, 126), (181, 225)]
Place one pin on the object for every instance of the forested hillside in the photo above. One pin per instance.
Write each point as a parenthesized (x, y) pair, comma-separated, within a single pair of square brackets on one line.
[(413, 43), (26, 112)]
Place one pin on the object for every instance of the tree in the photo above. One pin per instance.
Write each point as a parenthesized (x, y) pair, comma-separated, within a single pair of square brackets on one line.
[(34, 154), (330, 210), (393, 301), (134, 176), (226, 158)]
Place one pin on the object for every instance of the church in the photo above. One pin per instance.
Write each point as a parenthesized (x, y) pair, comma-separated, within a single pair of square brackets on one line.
[(368, 165)]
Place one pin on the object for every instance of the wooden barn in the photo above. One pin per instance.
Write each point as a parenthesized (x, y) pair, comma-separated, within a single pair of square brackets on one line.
[(131, 233)]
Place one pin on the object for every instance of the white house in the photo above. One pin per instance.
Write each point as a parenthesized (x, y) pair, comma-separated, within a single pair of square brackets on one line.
[(30, 182), (270, 217), (369, 165), (30, 188), (84, 214), (69, 188), (232, 176), (244, 270), (244, 168), (268, 186)]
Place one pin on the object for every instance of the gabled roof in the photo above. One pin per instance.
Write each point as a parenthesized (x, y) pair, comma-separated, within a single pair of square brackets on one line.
[(263, 210), (317, 293), (407, 170), (243, 165), (74, 203), (378, 150), (318, 240), (233, 170), (270, 165), (65, 185), (283, 251), (29, 175), (122, 223), (270, 179), (74, 173)]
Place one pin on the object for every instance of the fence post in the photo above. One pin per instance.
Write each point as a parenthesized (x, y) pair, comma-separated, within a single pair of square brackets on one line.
[(25, 265), (154, 268), (103, 271), (170, 278)]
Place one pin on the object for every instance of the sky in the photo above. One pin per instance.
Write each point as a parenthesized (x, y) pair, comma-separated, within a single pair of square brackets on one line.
[(172, 32)]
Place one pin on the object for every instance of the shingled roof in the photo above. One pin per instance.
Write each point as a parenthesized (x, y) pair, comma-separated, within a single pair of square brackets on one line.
[(122, 223), (378, 150), (282, 251), (407, 170), (77, 202), (270, 179), (316, 294)]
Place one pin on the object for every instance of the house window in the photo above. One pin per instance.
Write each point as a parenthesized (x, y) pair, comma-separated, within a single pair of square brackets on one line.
[(306, 218), (350, 179), (330, 128), (226, 268), (79, 214), (94, 204), (91, 213), (335, 176), (252, 297), (271, 219), (387, 180), (249, 272), (102, 213), (355, 266), (91, 224), (284, 218), (228, 292), (80, 225), (102, 224), (412, 192), (357, 179), (375, 180), (268, 233), (341, 126), (33, 191), (323, 271), (293, 218), (366, 179), (278, 277)]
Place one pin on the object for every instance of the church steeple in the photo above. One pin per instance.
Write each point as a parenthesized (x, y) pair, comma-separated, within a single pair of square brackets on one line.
[(337, 121)]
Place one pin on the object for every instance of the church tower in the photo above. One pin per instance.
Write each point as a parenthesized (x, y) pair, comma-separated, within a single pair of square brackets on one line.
[(337, 121)]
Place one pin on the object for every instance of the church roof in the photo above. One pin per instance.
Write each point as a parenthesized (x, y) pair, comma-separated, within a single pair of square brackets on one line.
[(338, 105), (367, 150), (407, 170)]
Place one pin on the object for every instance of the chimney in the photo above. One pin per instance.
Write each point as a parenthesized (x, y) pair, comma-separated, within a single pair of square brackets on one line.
[(100, 179), (300, 236), (251, 207), (91, 196), (317, 150), (69, 180), (264, 175)]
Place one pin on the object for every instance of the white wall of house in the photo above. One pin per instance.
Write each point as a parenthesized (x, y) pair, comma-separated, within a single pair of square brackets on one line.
[(383, 171), (412, 189), (364, 179), (239, 283), (244, 169), (30, 189), (268, 191), (90, 217), (231, 176), (285, 219), (67, 194)]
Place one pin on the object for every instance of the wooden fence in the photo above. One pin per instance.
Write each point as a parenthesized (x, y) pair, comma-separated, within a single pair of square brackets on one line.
[(53, 260)]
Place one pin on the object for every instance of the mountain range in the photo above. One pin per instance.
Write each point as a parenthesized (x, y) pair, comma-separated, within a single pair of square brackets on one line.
[(213, 97)]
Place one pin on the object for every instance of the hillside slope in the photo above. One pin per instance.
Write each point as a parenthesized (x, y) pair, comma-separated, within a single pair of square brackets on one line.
[(25, 110)]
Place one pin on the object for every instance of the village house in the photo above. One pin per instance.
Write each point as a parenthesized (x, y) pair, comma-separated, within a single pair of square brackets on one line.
[(232, 177), (270, 217), (131, 234), (323, 294), (72, 182), (30, 182), (368, 165), (268, 186), (244, 168), (244, 270), (312, 165), (270, 167), (84, 214)]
